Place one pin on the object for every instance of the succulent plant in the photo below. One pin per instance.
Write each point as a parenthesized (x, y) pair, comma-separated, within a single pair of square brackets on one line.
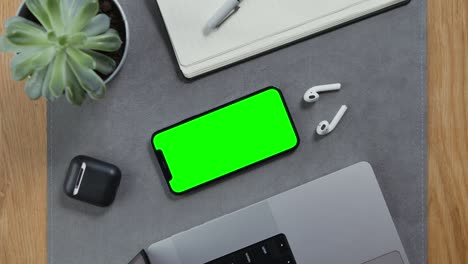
[(61, 54)]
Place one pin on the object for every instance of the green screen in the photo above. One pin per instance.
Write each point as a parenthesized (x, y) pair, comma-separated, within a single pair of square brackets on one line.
[(225, 140)]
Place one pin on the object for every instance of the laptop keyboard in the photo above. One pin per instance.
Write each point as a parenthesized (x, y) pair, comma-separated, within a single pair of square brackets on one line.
[(274, 250)]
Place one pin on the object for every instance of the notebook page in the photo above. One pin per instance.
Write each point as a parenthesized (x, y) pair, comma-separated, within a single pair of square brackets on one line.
[(274, 41), (256, 20)]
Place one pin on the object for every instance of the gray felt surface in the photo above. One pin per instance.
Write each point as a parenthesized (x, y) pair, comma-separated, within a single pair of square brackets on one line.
[(380, 61)]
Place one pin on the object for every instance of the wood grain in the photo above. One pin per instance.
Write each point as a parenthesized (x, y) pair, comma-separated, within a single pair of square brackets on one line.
[(23, 167), (448, 131), (23, 148)]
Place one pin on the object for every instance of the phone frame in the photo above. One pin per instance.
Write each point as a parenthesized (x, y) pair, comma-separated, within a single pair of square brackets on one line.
[(162, 161)]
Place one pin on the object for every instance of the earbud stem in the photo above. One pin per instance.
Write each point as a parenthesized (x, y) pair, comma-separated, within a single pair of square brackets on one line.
[(328, 87), (338, 117)]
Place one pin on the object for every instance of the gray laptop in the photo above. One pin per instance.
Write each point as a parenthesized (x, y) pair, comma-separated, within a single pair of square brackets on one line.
[(339, 218)]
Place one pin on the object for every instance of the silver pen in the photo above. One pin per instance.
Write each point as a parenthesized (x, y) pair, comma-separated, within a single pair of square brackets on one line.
[(222, 14)]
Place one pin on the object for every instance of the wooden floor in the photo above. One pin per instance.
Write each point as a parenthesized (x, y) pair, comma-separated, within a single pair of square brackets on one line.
[(23, 166)]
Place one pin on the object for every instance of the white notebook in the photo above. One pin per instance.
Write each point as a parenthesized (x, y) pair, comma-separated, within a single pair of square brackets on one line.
[(258, 26)]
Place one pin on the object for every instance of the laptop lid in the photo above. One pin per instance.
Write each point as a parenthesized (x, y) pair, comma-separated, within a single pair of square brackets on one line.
[(339, 218)]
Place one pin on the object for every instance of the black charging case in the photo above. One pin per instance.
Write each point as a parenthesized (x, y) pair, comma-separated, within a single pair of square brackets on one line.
[(92, 181)]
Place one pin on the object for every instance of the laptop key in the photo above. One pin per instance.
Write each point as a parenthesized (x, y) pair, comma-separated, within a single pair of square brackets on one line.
[(240, 257), (282, 244)]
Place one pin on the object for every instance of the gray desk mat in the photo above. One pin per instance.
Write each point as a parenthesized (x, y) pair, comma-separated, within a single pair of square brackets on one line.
[(380, 61)]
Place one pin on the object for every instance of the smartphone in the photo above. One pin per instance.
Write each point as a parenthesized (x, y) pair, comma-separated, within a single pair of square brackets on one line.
[(225, 140)]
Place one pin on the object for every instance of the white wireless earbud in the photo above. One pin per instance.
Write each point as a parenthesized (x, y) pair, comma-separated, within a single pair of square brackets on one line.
[(312, 94), (325, 128)]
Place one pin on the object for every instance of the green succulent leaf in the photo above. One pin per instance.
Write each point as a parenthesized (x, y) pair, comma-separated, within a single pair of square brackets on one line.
[(52, 37), (6, 46), (27, 40), (77, 39), (71, 8), (109, 42), (22, 32), (18, 21), (75, 95), (98, 25), (86, 10), (46, 93), (58, 76), (39, 11), (67, 7), (81, 58), (104, 64), (33, 87), (88, 80), (54, 10), (24, 64)]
